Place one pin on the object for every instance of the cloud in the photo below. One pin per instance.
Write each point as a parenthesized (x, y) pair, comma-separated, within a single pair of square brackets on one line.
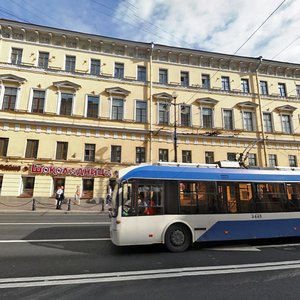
[(215, 25)]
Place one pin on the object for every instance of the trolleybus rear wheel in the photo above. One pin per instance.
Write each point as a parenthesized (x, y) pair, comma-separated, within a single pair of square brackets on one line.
[(177, 238)]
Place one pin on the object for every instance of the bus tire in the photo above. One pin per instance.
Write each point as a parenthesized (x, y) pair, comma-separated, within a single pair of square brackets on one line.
[(178, 238)]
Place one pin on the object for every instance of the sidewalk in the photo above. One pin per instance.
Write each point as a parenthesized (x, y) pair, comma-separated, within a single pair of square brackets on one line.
[(49, 206)]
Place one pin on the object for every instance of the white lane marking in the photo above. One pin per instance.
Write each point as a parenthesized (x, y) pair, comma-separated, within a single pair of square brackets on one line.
[(60, 223), (55, 240), (144, 274), (279, 245), (234, 248)]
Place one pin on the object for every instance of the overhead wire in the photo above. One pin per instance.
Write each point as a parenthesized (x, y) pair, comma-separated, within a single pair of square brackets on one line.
[(247, 40)]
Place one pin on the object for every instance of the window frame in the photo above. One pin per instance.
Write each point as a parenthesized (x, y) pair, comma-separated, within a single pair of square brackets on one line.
[(141, 114), (141, 73), (140, 155), (119, 70), (116, 113), (43, 60), (61, 150), (91, 155), (32, 147), (70, 63), (94, 113), (116, 153)]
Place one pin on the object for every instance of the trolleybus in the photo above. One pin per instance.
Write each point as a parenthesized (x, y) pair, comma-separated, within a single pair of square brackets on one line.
[(180, 204)]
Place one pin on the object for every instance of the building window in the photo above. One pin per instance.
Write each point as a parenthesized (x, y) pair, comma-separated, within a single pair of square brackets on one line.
[(163, 76), (186, 156), (264, 88), (115, 154), (282, 89), (205, 81), (292, 161), (248, 120), (43, 61), (268, 126), (3, 146), (38, 101), (164, 113), (66, 104), (89, 152), (272, 160), (252, 159), (228, 119), (70, 63), (231, 156), (209, 157), (95, 67), (28, 186), (184, 78), (117, 109), (61, 150), (207, 117), (286, 123), (92, 107), (141, 74), (185, 115), (119, 70), (32, 148), (87, 188), (245, 86), (141, 111), (225, 83), (10, 98), (16, 56), (163, 154), (140, 155), (298, 91)]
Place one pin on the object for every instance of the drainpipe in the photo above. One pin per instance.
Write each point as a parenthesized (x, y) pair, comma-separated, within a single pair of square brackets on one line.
[(261, 114), (151, 104)]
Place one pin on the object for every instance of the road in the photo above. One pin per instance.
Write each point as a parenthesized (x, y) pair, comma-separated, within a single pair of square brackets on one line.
[(70, 256)]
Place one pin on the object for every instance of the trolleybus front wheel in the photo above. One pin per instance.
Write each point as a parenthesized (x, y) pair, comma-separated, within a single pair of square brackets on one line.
[(177, 238)]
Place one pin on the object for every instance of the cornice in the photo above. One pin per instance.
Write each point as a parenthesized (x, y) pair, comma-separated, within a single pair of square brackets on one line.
[(219, 58)]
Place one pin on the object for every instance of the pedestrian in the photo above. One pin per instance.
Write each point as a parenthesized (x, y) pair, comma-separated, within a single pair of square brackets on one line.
[(59, 197), (77, 195), (109, 195)]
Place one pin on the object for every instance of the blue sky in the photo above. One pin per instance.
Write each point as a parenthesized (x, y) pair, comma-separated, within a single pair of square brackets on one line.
[(214, 25)]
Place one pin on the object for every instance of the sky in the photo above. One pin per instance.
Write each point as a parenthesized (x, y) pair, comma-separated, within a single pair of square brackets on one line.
[(267, 28)]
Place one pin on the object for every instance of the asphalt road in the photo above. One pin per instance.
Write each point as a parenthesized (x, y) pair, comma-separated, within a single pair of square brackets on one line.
[(70, 256)]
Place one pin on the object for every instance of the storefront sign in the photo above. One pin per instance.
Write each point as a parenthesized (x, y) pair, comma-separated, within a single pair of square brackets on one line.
[(10, 168), (88, 172)]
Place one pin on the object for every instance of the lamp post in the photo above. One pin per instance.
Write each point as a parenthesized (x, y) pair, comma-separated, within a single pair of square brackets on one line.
[(174, 95)]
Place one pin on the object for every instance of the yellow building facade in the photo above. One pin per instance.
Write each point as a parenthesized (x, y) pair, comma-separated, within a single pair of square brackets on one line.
[(75, 108)]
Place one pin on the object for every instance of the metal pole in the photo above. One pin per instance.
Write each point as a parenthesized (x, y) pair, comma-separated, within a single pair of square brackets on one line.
[(261, 115), (33, 205), (175, 129)]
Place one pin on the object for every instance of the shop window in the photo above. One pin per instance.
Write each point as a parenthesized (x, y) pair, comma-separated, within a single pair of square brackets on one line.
[(88, 188), (27, 186)]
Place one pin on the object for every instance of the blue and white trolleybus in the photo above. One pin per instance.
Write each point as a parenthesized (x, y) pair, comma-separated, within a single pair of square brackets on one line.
[(178, 205)]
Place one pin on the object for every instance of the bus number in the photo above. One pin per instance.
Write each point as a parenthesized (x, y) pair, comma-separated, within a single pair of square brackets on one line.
[(256, 216)]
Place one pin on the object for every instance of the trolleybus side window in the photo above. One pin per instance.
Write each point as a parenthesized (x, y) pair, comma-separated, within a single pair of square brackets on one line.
[(142, 199), (196, 197), (293, 196), (150, 201), (270, 197)]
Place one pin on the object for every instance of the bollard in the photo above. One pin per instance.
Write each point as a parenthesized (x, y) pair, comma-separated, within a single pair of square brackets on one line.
[(102, 203), (69, 205), (33, 204)]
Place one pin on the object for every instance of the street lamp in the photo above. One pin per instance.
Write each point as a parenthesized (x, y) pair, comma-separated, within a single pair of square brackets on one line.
[(174, 95)]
